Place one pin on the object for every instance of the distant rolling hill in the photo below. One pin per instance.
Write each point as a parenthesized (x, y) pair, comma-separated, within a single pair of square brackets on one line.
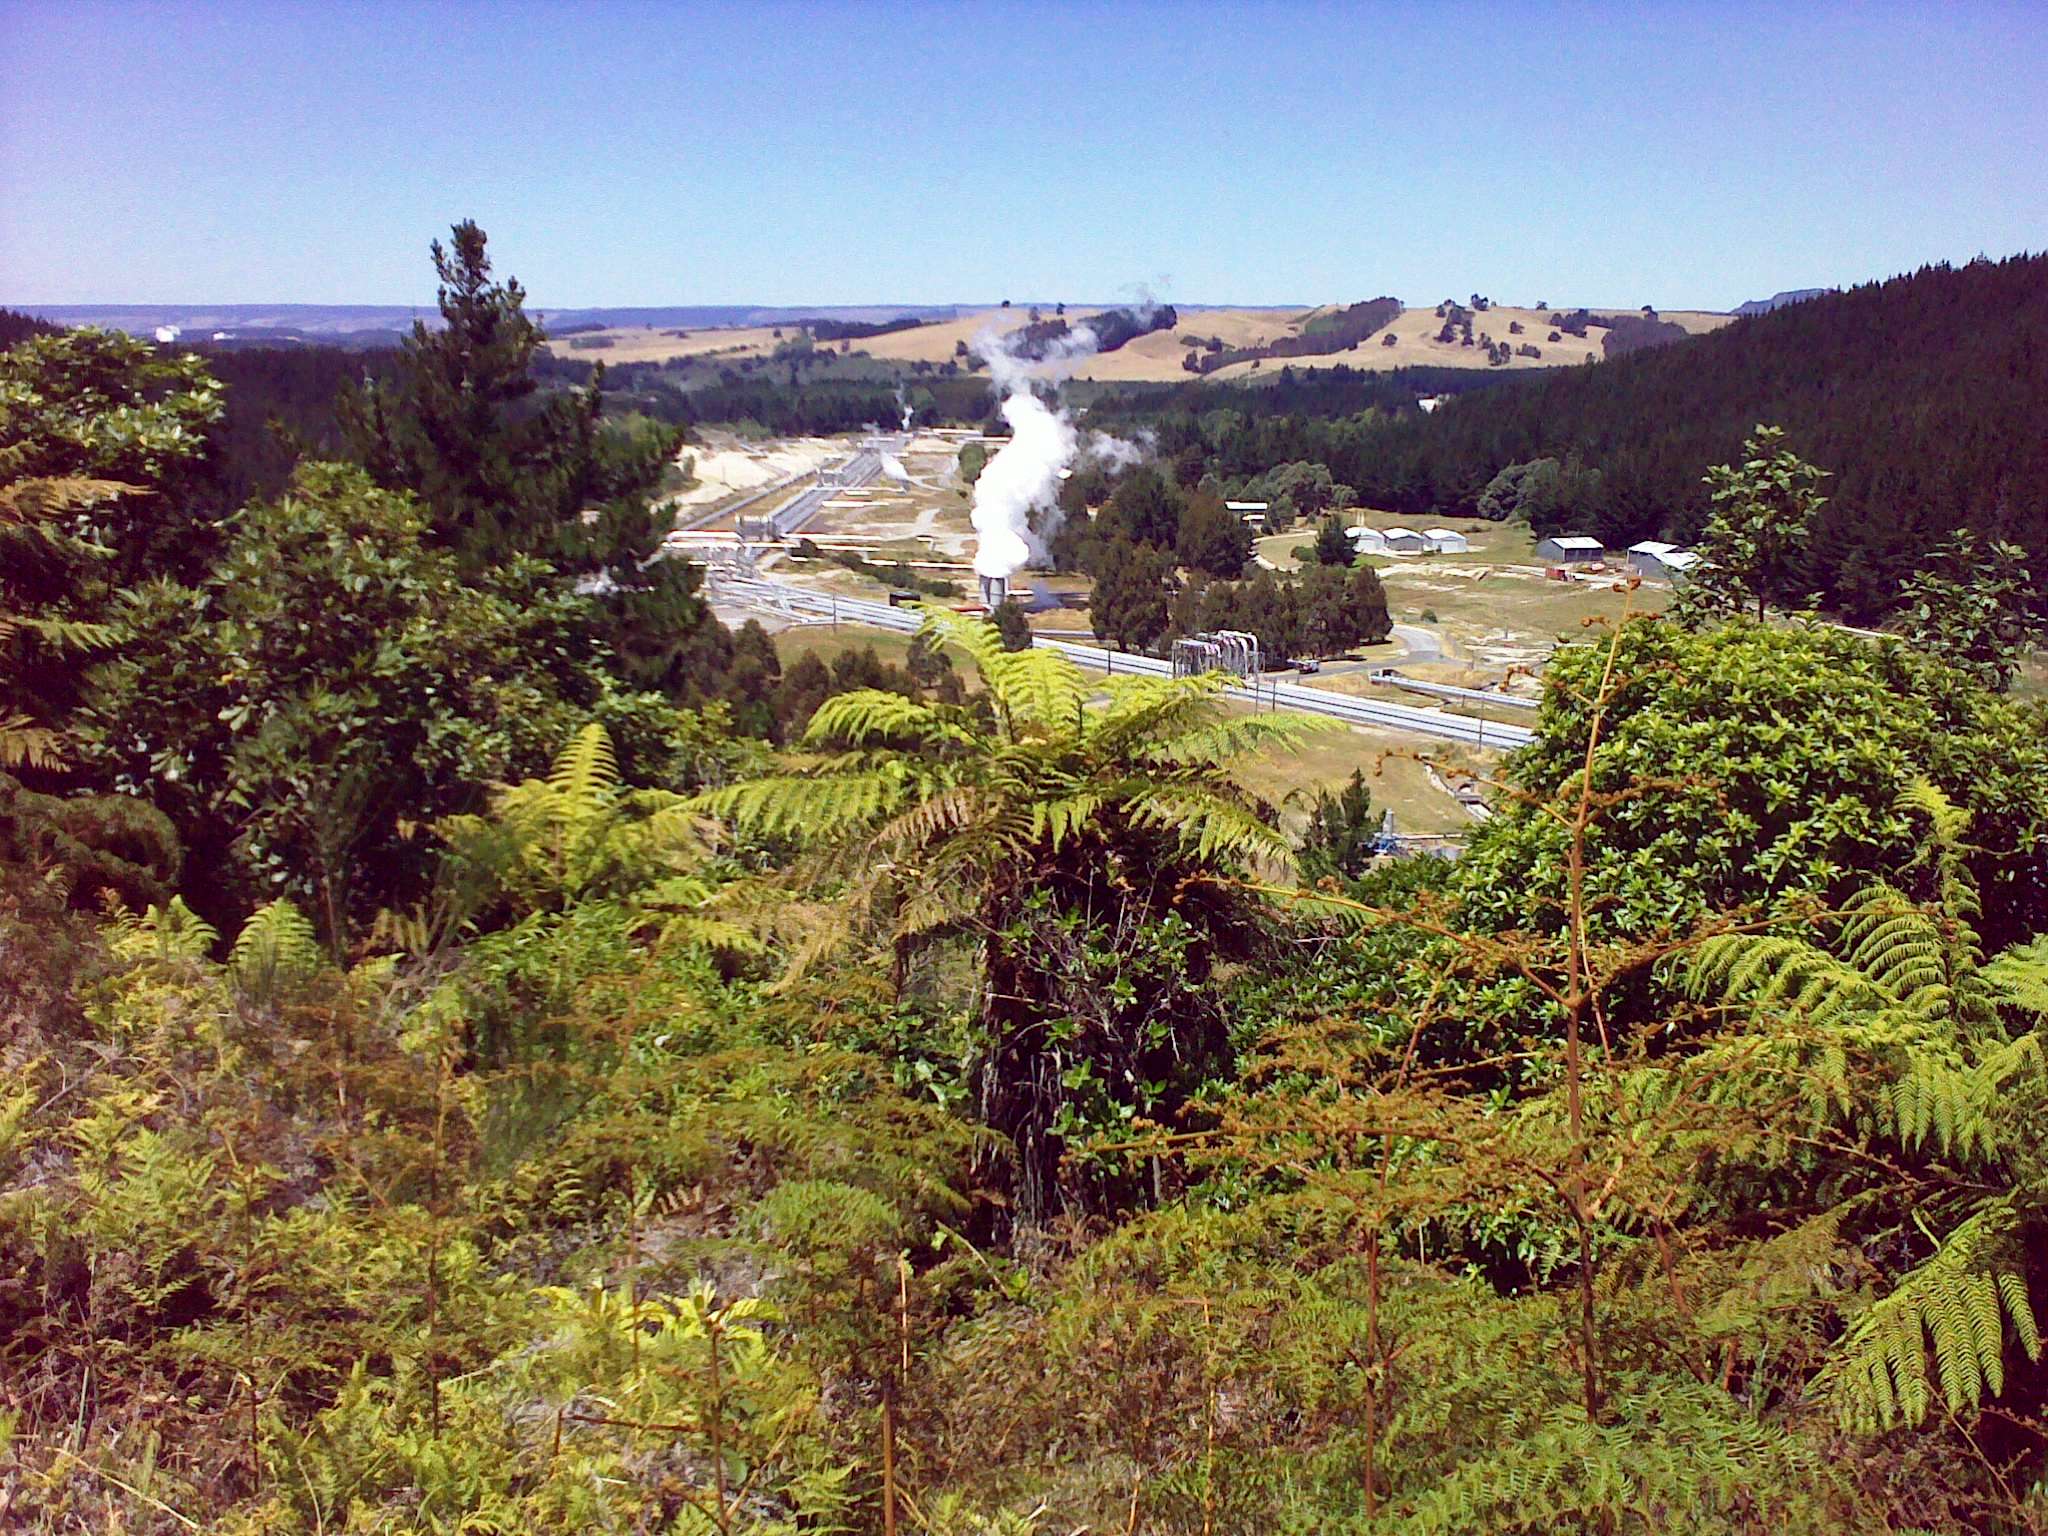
[(1160, 357), (1779, 300), (739, 333), (1923, 396)]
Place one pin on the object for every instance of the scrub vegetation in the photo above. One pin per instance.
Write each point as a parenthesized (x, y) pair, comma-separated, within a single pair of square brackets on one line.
[(490, 1050)]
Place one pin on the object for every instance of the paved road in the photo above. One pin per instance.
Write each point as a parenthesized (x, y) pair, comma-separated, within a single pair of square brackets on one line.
[(1422, 644), (784, 597)]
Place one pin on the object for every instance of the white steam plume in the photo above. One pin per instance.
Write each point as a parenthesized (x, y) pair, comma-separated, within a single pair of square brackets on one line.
[(1024, 476), (1118, 452)]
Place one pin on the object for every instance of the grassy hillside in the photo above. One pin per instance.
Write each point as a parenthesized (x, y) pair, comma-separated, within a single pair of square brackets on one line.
[(1155, 358)]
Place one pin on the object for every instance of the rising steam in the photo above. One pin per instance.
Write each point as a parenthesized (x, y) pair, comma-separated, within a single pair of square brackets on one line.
[(1024, 476)]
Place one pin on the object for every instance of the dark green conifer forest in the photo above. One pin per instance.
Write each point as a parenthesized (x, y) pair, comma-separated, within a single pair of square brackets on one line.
[(489, 1049), (1923, 395)]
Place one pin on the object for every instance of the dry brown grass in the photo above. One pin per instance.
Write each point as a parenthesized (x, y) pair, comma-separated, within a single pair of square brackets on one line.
[(1154, 357), (1395, 772)]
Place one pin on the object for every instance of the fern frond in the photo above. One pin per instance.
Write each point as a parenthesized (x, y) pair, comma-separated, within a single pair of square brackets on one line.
[(1956, 1303), (873, 717), (586, 772), (24, 744), (981, 640), (276, 945), (1038, 688), (821, 807), (1950, 821), (169, 932), (1213, 827), (2019, 977)]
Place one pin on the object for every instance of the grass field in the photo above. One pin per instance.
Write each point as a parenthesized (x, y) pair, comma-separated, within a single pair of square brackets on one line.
[(1394, 768), (829, 642)]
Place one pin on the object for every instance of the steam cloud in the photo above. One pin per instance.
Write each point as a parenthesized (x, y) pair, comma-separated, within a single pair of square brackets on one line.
[(1024, 475)]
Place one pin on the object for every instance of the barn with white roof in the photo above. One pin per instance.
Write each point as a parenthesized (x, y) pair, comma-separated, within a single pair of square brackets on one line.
[(1446, 541), (1570, 548), (1657, 561)]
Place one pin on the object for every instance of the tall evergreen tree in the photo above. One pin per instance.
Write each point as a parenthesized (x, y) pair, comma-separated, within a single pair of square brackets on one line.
[(1338, 842), (1129, 600), (1213, 539), (1333, 546), (504, 470)]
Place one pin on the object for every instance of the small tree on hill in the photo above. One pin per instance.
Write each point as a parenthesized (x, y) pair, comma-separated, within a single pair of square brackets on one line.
[(1970, 608), (1764, 511), (1337, 843), (1365, 602), (1333, 546)]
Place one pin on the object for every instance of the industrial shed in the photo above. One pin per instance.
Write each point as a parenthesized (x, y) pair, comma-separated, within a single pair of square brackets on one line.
[(1446, 541), (1405, 541), (1570, 548), (1654, 561), (1367, 541)]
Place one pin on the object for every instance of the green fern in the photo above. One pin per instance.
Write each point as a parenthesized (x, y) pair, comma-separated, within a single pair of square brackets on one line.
[(2020, 977), (1957, 1303), (172, 931), (276, 946), (1897, 1030)]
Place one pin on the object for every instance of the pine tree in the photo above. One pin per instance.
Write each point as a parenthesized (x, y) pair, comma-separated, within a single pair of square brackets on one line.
[(1128, 602), (1338, 843), (1333, 546), (1213, 540)]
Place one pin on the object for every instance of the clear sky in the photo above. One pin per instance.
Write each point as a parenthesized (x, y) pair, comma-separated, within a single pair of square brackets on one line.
[(1681, 154)]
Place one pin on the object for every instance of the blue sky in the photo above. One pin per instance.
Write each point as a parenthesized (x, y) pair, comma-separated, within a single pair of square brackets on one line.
[(1675, 154)]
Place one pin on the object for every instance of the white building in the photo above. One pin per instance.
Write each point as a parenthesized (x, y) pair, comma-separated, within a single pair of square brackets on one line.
[(1367, 541), (166, 334), (1430, 402), (1570, 548), (1655, 561), (1406, 541), (1252, 512), (1446, 541)]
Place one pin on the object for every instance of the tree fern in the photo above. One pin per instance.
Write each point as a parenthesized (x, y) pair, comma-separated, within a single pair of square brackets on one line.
[(1955, 1305), (1899, 1027), (1041, 813)]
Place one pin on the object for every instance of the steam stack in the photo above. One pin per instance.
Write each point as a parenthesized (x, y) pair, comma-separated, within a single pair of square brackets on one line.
[(994, 591)]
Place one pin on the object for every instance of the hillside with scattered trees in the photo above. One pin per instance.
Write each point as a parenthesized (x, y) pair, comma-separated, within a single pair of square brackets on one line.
[(1921, 396)]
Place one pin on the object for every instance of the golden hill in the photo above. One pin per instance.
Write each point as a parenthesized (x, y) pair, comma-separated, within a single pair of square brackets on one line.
[(1154, 357)]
